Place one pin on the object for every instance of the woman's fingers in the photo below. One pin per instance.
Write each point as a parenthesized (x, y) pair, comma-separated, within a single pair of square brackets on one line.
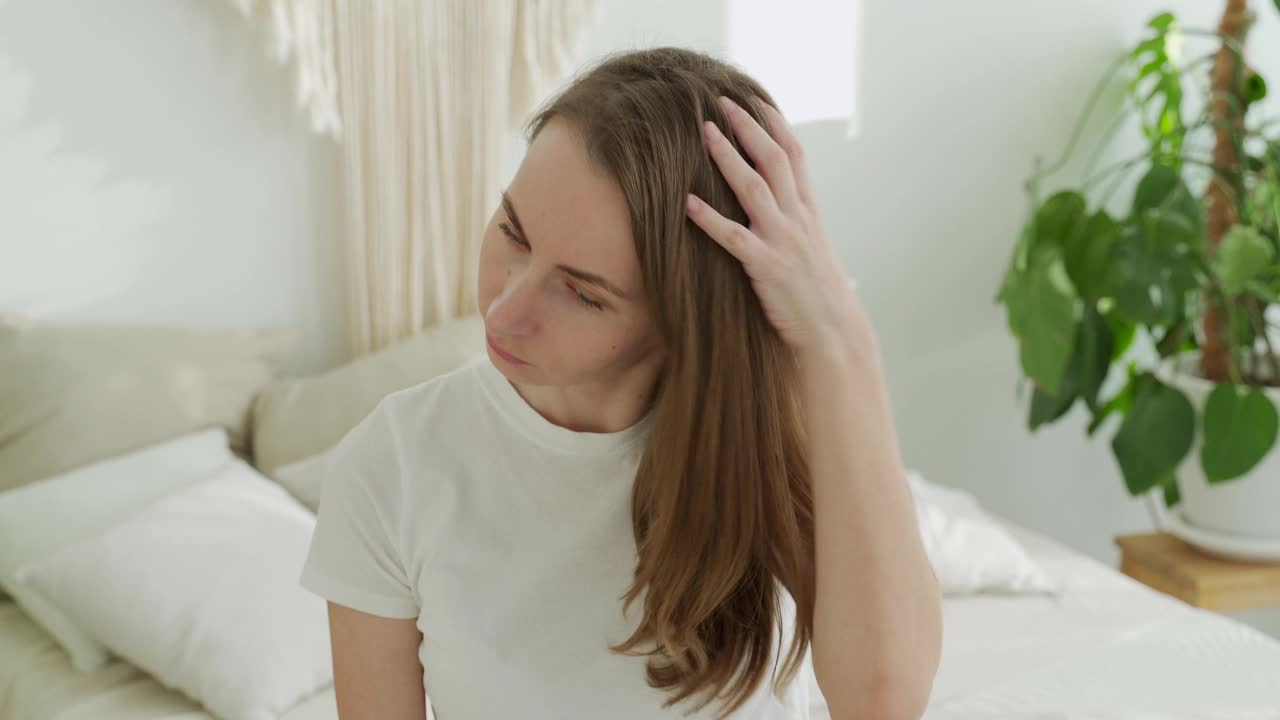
[(770, 157), (786, 138), (751, 189), (732, 236)]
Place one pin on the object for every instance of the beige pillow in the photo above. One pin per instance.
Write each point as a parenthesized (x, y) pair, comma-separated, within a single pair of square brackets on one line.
[(72, 393), (298, 418)]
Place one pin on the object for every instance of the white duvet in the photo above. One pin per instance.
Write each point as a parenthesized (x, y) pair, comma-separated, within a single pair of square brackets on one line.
[(1107, 648)]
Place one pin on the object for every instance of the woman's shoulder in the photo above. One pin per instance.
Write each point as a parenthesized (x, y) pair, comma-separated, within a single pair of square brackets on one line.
[(447, 397), (404, 429), (432, 421)]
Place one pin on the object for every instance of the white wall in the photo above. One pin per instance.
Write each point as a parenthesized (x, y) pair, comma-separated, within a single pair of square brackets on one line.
[(157, 171), (233, 202), (956, 99)]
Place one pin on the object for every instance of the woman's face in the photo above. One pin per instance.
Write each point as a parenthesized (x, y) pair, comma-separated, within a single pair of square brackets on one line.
[(559, 280)]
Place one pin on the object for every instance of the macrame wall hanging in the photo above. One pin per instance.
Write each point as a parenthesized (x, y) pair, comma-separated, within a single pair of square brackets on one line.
[(422, 95)]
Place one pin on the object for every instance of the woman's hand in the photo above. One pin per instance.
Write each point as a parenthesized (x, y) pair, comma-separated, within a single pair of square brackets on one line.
[(785, 251), (860, 497)]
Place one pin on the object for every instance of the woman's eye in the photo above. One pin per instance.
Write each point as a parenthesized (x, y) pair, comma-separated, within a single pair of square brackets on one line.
[(506, 230), (586, 300)]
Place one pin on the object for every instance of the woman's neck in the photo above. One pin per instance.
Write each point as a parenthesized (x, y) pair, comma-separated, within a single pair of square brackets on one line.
[(596, 407)]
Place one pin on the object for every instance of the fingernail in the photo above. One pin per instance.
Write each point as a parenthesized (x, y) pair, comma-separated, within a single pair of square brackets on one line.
[(692, 202), (709, 130), (727, 104)]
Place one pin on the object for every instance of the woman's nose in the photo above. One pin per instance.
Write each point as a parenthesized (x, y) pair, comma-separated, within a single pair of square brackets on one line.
[(514, 312)]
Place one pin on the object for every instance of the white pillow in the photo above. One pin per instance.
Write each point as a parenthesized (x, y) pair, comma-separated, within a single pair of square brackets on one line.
[(296, 418), (969, 552), (303, 478), (42, 517), (200, 591)]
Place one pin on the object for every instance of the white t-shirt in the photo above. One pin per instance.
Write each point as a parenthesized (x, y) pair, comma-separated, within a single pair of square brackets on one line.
[(509, 539)]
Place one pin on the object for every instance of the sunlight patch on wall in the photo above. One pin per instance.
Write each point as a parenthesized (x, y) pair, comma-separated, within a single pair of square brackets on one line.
[(68, 237), (804, 52)]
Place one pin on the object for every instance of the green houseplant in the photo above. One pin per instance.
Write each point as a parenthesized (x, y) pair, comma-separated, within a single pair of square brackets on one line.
[(1178, 283)]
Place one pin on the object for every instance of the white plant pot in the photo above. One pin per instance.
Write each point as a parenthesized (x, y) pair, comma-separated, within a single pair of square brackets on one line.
[(1244, 509)]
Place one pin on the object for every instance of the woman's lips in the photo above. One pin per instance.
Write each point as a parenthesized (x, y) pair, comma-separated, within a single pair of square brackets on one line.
[(497, 349)]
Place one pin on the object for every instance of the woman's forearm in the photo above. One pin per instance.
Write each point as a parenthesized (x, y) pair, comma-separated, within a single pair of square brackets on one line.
[(878, 613)]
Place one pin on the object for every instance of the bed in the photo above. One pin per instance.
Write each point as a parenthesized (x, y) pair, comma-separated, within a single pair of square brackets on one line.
[(1105, 648), (1102, 647)]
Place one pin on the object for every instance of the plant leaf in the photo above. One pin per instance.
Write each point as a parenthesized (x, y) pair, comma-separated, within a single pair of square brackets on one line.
[(1153, 193), (1120, 402), (1255, 88), (1269, 292), (1152, 268), (1050, 225), (1243, 255), (1088, 254), (1046, 408), (1240, 331), (1057, 219), (1153, 188), (1176, 339), (1162, 21), (1094, 349), (1153, 45), (1122, 334), (1264, 203), (1090, 360), (1240, 425), (1155, 436), (1017, 264), (1152, 67), (1042, 310), (1169, 486)]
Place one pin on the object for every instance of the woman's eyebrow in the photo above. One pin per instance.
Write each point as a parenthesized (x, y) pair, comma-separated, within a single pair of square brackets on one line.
[(510, 208), (590, 278)]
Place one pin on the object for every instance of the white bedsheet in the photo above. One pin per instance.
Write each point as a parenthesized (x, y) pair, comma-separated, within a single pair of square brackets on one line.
[(1107, 649)]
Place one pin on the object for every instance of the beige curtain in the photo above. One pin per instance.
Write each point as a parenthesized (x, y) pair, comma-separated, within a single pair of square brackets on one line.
[(422, 94)]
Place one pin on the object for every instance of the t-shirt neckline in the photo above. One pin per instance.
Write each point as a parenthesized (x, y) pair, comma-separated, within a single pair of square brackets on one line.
[(530, 422)]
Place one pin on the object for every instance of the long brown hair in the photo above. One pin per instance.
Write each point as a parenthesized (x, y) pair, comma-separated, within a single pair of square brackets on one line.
[(722, 509)]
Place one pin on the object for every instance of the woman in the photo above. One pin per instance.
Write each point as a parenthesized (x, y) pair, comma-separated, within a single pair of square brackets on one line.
[(676, 459)]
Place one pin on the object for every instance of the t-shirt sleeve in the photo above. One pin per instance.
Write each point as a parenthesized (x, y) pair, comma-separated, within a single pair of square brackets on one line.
[(356, 554)]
